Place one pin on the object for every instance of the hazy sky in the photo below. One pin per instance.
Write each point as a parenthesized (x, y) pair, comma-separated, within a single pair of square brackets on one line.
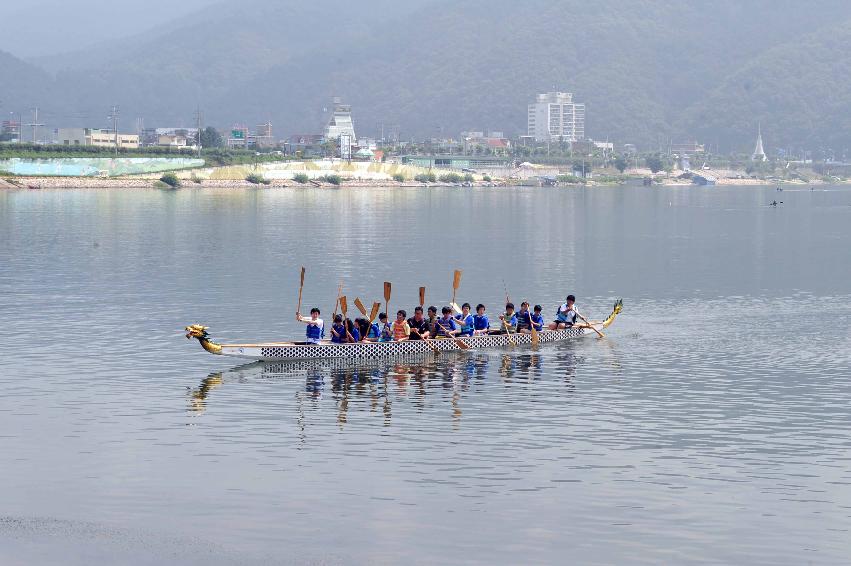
[(45, 27)]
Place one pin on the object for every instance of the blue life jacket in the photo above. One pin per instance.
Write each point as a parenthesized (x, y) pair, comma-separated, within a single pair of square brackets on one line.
[(315, 332), (538, 321), (340, 335), (374, 331), (524, 320), (356, 334), (466, 324), (481, 322), (444, 323)]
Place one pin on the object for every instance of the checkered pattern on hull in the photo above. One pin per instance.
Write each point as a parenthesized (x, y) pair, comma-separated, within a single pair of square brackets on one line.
[(372, 350)]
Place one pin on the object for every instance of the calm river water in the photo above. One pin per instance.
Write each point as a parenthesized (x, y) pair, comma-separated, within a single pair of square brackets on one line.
[(711, 425)]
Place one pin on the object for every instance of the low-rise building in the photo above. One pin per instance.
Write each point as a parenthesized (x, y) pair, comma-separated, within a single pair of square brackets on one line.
[(98, 137), (460, 162)]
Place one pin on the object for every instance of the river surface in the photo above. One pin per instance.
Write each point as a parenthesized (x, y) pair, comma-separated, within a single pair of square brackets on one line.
[(711, 425)]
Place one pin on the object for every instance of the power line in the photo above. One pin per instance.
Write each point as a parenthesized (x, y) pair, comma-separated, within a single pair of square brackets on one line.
[(34, 124), (114, 116)]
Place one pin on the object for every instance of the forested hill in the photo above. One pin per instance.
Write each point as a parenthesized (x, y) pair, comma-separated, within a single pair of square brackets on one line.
[(648, 70)]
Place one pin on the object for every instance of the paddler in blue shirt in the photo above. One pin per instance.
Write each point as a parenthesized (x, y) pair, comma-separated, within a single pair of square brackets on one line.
[(374, 332), (465, 319), (386, 331), (446, 326), (524, 319), (509, 319), (338, 330), (538, 318), (481, 324), (315, 326)]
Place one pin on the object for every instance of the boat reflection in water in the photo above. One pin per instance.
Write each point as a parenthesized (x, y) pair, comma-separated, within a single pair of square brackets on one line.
[(377, 384)]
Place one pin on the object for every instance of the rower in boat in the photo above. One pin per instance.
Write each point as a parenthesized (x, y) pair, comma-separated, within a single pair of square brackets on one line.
[(509, 320), (373, 333), (401, 328), (419, 325), (432, 321), (481, 324), (524, 319), (538, 318), (315, 326), (338, 330), (352, 332), (386, 331), (465, 320), (566, 314), (446, 326)]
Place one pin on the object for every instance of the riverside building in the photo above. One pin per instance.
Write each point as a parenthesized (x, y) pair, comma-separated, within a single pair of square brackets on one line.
[(97, 137), (554, 116), (340, 122)]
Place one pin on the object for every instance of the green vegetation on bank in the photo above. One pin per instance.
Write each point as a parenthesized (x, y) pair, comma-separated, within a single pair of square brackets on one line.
[(171, 180), (257, 179)]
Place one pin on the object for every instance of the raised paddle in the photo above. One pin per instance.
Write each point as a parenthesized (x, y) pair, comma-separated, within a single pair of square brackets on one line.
[(387, 289), (344, 308), (337, 303), (300, 288), (422, 302), (360, 306), (456, 282), (374, 313)]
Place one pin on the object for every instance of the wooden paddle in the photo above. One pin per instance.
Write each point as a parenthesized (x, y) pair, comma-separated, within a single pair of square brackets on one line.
[(535, 337), (505, 322), (374, 313), (337, 303), (508, 332), (585, 320), (458, 341), (387, 298), (360, 306), (300, 289), (422, 302), (456, 282), (344, 308)]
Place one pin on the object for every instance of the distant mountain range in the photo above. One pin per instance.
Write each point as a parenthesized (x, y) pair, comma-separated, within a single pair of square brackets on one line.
[(648, 70)]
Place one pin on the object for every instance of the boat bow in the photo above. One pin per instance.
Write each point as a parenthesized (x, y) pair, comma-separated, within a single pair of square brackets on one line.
[(200, 332)]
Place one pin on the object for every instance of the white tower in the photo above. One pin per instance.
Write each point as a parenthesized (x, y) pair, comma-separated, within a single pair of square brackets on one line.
[(759, 151)]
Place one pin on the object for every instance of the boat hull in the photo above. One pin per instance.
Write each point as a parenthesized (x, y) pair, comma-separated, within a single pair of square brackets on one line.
[(376, 350)]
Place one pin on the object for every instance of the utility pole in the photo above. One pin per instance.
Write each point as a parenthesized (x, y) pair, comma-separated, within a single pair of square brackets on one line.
[(114, 116), (35, 125), (198, 125)]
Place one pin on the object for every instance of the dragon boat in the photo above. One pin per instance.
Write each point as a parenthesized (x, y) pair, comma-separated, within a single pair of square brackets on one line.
[(282, 351)]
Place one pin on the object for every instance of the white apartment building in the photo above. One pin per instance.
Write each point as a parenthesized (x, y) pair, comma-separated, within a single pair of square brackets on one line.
[(554, 116)]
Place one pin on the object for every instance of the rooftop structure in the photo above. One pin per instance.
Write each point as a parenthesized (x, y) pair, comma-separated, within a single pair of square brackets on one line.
[(554, 116)]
